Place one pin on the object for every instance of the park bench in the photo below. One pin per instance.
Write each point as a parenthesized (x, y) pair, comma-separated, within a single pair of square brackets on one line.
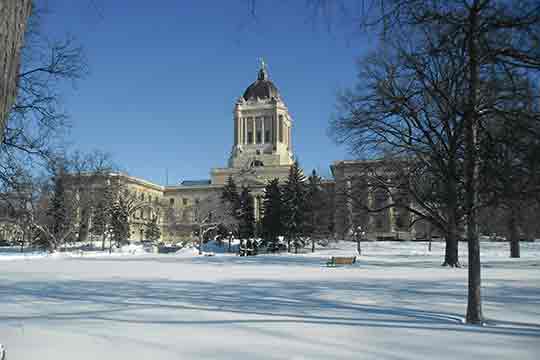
[(340, 260)]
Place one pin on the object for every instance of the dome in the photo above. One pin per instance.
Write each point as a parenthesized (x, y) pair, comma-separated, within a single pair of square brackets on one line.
[(262, 88)]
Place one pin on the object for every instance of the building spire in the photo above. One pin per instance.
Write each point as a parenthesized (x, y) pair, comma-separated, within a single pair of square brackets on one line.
[(263, 73)]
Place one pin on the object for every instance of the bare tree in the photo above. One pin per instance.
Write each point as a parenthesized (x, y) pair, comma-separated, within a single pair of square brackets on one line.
[(510, 165), (207, 214), (36, 121), (88, 173), (407, 112), (495, 35)]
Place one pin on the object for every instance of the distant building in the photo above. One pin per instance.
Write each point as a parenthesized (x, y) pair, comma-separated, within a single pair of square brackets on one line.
[(262, 150)]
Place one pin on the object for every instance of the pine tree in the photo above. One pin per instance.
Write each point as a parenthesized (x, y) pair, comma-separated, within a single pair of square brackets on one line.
[(230, 193), (119, 222), (246, 215), (101, 216), (57, 210), (315, 209), (152, 231), (295, 205), (231, 199), (272, 220), (100, 221)]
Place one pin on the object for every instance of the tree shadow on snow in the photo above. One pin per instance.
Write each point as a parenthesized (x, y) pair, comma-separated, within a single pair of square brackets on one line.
[(262, 301)]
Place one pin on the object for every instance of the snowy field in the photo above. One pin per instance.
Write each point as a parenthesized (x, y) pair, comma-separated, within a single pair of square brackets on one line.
[(396, 302)]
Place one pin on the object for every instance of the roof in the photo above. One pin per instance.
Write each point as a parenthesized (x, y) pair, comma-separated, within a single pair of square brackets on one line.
[(195, 182), (262, 88)]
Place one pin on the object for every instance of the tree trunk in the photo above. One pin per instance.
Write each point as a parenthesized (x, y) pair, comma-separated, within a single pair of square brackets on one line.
[(103, 242), (451, 256), (451, 252), (513, 234), (14, 17), (312, 244), (474, 304)]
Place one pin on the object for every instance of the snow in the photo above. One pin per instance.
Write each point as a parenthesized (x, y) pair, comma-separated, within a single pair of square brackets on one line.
[(396, 302)]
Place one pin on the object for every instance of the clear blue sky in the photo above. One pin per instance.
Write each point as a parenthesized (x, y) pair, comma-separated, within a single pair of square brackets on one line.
[(164, 76)]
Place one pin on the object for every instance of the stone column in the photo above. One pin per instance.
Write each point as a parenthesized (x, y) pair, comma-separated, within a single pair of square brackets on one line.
[(240, 135), (392, 218), (274, 130), (287, 135), (244, 130), (254, 130), (255, 208), (236, 129), (289, 139)]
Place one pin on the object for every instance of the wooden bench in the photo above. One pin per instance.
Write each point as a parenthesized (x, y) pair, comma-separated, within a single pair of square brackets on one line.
[(341, 260)]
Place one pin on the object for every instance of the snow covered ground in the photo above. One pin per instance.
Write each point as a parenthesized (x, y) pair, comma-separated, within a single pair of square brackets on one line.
[(396, 302)]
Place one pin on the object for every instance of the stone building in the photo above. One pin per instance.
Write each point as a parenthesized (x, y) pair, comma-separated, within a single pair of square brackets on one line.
[(262, 149), (356, 191)]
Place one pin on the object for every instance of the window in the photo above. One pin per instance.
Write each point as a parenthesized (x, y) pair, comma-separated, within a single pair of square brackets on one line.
[(185, 201), (171, 201), (250, 137), (259, 137), (267, 136)]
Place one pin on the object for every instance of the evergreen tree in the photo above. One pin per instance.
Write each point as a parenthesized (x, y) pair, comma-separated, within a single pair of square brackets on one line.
[(152, 231), (57, 210), (272, 220), (100, 221), (295, 206), (101, 216), (119, 221), (230, 193), (316, 223), (231, 200), (246, 217)]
